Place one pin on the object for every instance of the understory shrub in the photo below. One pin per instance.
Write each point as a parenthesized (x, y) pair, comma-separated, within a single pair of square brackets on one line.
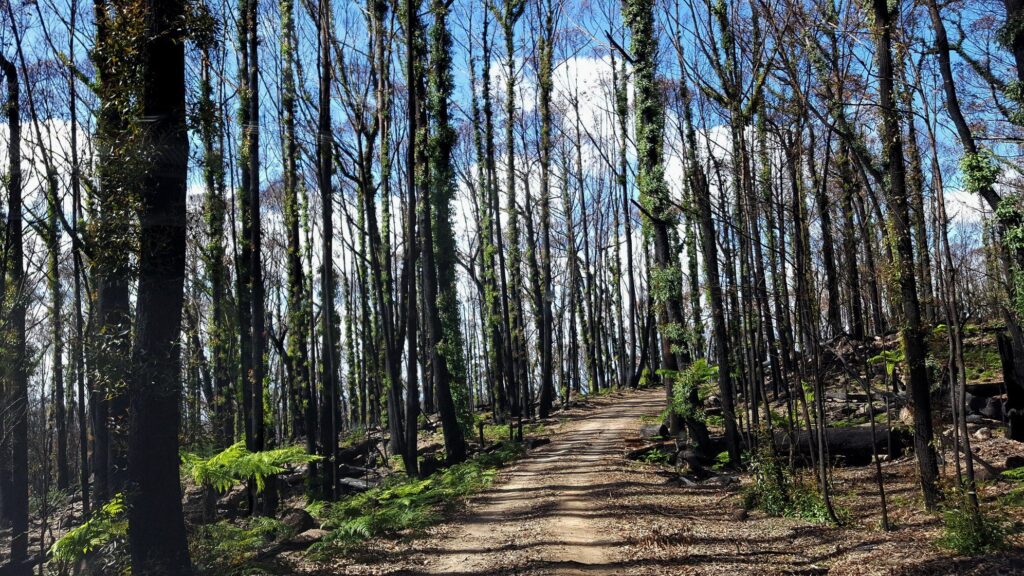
[(776, 492)]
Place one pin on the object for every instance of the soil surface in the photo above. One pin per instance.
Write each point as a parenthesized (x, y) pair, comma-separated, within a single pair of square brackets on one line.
[(576, 506)]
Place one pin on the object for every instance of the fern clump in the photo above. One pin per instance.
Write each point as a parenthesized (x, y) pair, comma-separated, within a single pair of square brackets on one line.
[(235, 465), (229, 549), (104, 533), (403, 503)]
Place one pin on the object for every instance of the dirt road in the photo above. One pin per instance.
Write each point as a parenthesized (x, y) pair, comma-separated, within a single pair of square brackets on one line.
[(551, 512), (576, 506)]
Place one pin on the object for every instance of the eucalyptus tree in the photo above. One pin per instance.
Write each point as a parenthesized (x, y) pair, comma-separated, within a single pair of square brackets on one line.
[(329, 332), (660, 213), (545, 49), (444, 330), (214, 254), (14, 393), (508, 16), (297, 350), (156, 524), (897, 196)]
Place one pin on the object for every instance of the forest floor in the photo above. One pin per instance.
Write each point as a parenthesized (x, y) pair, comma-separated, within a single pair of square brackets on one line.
[(577, 506)]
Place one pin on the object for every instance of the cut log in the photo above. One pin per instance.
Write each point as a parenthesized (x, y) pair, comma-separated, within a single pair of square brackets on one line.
[(986, 389), (654, 431)]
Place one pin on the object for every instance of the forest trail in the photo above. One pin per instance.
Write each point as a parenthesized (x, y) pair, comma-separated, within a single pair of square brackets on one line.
[(547, 513)]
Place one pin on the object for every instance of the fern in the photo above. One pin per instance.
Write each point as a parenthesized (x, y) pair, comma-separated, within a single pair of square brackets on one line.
[(235, 465), (695, 376), (107, 524), (1015, 474)]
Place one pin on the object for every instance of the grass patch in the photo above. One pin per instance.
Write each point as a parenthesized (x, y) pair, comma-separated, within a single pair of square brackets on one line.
[(402, 503), (651, 419), (981, 363), (500, 432), (1015, 497), (656, 457), (880, 418), (971, 533)]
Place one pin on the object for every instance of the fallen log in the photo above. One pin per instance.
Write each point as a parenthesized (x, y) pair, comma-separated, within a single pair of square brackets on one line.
[(849, 446), (667, 448), (986, 389), (355, 485), (350, 471), (358, 453)]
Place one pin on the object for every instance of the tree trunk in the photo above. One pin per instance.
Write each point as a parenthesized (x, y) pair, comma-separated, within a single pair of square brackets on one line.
[(14, 482), (159, 547), (913, 340)]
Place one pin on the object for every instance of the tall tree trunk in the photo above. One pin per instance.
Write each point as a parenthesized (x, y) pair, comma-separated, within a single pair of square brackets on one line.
[(546, 85), (110, 265), (329, 426), (913, 339), (300, 388), (412, 395), (14, 483), (214, 254), (53, 207), (444, 331), (159, 547), (698, 185), (665, 273), (77, 268)]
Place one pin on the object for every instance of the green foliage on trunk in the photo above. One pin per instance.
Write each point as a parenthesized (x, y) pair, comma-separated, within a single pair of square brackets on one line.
[(442, 193)]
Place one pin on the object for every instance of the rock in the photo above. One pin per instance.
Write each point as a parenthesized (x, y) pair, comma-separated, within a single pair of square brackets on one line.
[(297, 520), (993, 409), (722, 480), (1015, 461), (974, 419), (739, 515), (906, 416), (307, 538), (233, 499), (983, 433), (430, 448)]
